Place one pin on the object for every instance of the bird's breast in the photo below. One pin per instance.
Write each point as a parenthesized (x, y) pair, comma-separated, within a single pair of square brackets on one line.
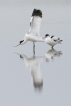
[(49, 41)]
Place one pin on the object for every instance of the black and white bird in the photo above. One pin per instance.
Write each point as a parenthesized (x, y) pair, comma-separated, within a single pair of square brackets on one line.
[(33, 34), (52, 40)]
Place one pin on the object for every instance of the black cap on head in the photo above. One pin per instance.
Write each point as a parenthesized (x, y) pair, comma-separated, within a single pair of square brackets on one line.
[(21, 41), (47, 35)]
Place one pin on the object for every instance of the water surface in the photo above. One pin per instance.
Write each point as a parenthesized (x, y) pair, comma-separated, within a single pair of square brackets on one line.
[(19, 69)]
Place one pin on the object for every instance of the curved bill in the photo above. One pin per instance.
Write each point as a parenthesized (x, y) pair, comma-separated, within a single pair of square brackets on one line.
[(17, 45)]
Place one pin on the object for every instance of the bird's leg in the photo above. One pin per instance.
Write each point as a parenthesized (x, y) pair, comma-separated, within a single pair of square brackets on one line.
[(33, 49), (52, 47)]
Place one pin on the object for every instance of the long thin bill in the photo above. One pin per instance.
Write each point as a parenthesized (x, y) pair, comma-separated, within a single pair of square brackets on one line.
[(17, 45)]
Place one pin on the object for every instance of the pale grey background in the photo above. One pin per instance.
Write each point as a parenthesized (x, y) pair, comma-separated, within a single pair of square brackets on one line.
[(16, 87)]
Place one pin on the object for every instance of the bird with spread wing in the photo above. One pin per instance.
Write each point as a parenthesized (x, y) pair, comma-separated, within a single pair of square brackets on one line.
[(33, 34)]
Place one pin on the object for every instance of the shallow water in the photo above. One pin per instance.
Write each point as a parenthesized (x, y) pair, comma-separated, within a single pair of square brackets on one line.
[(19, 69)]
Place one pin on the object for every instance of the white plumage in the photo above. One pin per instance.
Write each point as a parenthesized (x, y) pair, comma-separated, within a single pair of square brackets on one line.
[(35, 25), (33, 34), (52, 40)]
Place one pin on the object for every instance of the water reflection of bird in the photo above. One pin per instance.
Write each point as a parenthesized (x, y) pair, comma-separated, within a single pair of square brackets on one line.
[(33, 64), (51, 54)]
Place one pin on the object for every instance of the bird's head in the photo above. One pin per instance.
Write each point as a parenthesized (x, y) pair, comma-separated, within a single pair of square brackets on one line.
[(47, 35), (23, 41)]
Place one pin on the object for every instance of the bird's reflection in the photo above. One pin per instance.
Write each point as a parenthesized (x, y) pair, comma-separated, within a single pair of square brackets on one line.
[(51, 54), (33, 63)]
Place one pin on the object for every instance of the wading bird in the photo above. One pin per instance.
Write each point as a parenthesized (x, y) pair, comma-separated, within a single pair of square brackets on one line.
[(33, 34), (52, 40)]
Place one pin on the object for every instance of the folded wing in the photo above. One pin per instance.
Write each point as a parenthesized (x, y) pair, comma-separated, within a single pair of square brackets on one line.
[(55, 38)]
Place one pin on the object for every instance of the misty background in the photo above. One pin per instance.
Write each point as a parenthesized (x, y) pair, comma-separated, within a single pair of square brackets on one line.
[(16, 82), (35, 1)]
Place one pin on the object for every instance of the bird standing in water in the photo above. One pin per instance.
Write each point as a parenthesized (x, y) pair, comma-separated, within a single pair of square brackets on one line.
[(52, 40), (33, 34)]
